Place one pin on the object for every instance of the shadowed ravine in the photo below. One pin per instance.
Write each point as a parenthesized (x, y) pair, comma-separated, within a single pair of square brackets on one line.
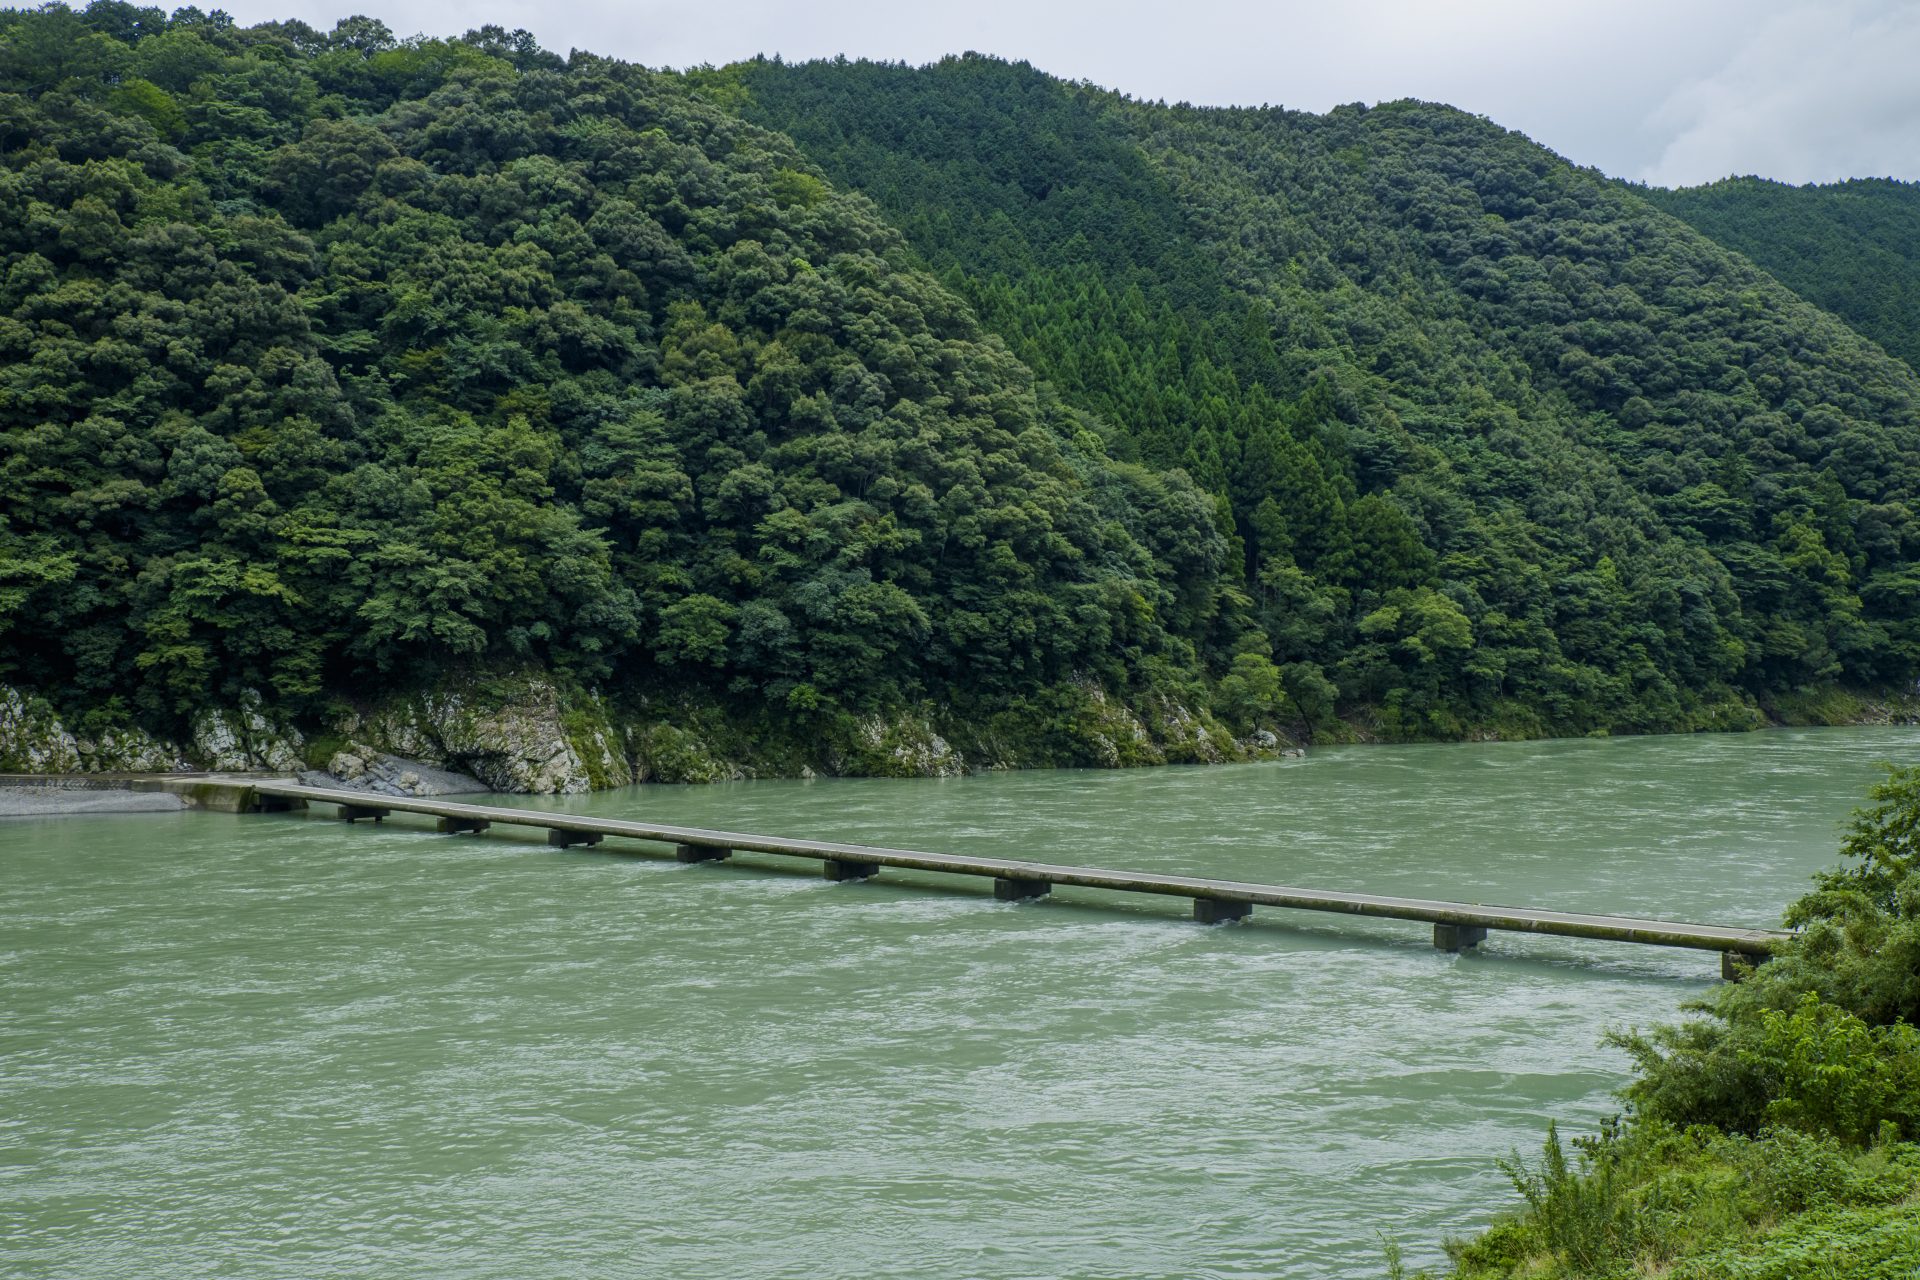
[(269, 1046)]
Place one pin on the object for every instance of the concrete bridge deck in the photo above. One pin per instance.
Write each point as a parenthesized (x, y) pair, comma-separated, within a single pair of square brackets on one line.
[(1456, 924)]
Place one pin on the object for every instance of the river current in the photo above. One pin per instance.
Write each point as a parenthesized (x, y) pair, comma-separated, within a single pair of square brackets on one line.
[(279, 1046)]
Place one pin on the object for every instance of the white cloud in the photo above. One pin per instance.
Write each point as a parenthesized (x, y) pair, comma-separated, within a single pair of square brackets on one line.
[(1671, 91), (1820, 92)]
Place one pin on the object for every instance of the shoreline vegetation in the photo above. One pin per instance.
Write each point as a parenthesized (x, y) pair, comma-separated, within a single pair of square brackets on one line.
[(1775, 1133), (524, 734), (566, 424)]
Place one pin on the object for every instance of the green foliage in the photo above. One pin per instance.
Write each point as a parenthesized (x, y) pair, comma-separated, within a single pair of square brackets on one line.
[(1825, 1071), (1766, 1138), (1876, 1243), (1852, 247), (335, 361), (1408, 351), (1070, 726), (1657, 1201), (340, 362), (1795, 1172), (1822, 1037), (1579, 1211), (153, 104), (1253, 693), (1883, 844)]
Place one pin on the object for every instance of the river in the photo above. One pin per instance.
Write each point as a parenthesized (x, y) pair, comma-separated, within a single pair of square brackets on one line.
[(276, 1045)]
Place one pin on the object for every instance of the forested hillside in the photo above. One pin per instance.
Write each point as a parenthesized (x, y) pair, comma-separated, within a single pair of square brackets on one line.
[(337, 364), (1501, 443), (1853, 247)]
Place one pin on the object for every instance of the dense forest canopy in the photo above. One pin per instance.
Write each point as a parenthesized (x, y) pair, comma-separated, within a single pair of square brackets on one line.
[(1500, 442), (338, 363), (1853, 247), (335, 360)]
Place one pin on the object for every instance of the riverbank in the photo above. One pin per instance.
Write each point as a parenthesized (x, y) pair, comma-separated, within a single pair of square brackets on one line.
[(1772, 1138), (60, 801), (525, 733)]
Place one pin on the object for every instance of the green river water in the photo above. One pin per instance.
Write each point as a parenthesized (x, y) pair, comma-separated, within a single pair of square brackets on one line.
[(277, 1046)]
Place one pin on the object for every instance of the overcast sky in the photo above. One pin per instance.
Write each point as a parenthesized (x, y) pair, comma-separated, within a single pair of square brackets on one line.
[(1667, 91)]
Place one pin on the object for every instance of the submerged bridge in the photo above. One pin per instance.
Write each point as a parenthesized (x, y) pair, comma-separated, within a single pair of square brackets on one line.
[(1456, 925)]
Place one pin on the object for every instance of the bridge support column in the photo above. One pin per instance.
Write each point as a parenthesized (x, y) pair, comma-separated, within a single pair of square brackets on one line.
[(699, 853), (355, 812), (454, 826), (560, 839), (1458, 937), (843, 869), (1220, 910), (1736, 965), (1015, 890)]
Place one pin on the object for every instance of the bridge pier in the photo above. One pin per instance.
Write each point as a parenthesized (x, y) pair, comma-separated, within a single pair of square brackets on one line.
[(1214, 901), (454, 826), (847, 869), (1458, 937)]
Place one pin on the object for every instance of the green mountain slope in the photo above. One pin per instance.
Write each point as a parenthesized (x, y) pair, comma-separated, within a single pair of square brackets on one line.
[(1502, 443), (1853, 247), (339, 364)]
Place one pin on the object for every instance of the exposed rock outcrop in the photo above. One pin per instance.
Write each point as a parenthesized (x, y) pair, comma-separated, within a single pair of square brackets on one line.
[(130, 751), (511, 733), (34, 740), (242, 738), (668, 752), (1187, 738), (901, 746), (361, 768), (521, 733)]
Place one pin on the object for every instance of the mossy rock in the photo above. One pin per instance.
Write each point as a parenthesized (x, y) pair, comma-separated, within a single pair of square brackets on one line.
[(672, 754)]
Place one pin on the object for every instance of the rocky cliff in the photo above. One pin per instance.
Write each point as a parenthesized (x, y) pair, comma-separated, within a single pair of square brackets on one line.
[(523, 733)]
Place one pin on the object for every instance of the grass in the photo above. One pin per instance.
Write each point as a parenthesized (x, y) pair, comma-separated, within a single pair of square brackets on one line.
[(1702, 1205)]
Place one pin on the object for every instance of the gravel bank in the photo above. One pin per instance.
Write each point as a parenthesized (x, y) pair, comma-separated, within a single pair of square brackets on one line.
[(43, 802)]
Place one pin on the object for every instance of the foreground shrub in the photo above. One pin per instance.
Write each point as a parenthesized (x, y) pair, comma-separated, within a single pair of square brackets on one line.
[(1821, 1038), (1765, 1138)]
